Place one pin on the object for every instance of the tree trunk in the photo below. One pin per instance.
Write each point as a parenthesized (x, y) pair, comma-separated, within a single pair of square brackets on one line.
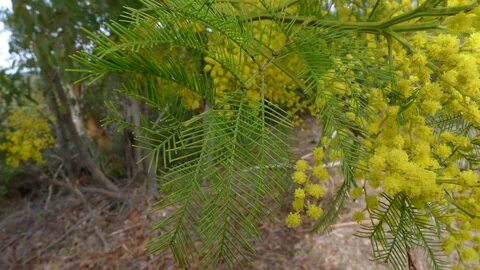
[(62, 138), (66, 118), (131, 153), (133, 111)]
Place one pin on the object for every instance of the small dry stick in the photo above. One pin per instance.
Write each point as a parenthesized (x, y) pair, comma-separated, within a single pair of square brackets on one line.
[(50, 188)]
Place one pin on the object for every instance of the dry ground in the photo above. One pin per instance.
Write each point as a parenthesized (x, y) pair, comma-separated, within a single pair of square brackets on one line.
[(63, 234)]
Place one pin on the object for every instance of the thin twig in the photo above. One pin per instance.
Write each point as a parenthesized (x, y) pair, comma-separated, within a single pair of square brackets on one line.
[(50, 189), (125, 229)]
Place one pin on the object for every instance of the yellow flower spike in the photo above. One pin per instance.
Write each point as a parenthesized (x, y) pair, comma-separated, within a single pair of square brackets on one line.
[(314, 212), (293, 220)]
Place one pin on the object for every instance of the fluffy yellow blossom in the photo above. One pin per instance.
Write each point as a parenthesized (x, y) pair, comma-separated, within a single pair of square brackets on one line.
[(320, 172), (447, 136), (318, 154), (356, 192), (443, 151), (472, 42), (358, 216), (431, 107), (448, 244), (469, 254), (299, 193), (299, 177), (293, 220), (377, 162), (301, 165), (392, 184), (468, 178), (315, 190), (442, 46), (372, 201), (461, 23), (314, 212), (298, 204), (419, 39)]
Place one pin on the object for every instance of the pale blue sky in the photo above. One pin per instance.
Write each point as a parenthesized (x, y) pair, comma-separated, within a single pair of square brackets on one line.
[(4, 36)]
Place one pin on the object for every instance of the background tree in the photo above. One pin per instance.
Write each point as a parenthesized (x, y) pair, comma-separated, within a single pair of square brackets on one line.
[(42, 46)]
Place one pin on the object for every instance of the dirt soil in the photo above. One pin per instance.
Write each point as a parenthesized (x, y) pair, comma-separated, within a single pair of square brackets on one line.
[(63, 234)]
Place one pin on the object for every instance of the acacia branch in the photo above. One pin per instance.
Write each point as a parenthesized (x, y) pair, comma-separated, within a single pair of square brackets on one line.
[(373, 27)]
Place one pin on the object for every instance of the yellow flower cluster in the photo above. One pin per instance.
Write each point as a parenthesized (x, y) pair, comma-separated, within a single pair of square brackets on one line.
[(309, 191), (27, 135), (278, 86), (410, 152), (228, 65), (190, 100)]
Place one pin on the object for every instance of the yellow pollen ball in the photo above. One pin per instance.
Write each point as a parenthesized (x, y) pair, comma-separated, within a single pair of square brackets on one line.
[(469, 254), (372, 201), (297, 204), (299, 177), (315, 190), (299, 193), (356, 193), (314, 212), (318, 154), (320, 172), (293, 220), (301, 165), (358, 216)]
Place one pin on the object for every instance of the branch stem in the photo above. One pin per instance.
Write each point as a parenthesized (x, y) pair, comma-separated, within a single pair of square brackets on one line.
[(375, 27)]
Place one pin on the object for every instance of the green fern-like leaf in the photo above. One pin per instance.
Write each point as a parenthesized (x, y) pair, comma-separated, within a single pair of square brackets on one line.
[(223, 173), (398, 227)]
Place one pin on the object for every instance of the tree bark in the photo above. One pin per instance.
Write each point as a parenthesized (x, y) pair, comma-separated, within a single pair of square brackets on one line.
[(66, 118)]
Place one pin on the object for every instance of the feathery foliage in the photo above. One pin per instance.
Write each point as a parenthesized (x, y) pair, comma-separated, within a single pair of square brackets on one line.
[(398, 228), (227, 77)]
